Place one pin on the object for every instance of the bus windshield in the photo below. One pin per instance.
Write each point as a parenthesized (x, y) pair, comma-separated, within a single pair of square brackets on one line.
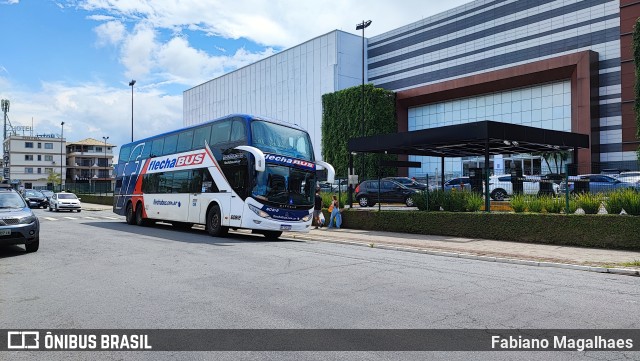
[(280, 185), (281, 140)]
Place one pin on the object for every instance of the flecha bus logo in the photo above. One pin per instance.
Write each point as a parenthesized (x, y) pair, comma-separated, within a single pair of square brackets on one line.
[(182, 161)]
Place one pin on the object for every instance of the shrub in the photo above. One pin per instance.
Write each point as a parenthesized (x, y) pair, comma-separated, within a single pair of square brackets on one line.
[(454, 201), (534, 204), (553, 205), (421, 200), (436, 199), (518, 203), (614, 202), (589, 202), (631, 202), (474, 201), (573, 205)]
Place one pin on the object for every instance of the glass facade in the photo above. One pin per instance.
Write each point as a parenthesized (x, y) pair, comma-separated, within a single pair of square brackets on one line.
[(545, 106)]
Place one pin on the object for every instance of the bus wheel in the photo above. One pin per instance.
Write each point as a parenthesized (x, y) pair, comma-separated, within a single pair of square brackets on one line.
[(272, 234), (129, 217), (214, 222), (140, 221)]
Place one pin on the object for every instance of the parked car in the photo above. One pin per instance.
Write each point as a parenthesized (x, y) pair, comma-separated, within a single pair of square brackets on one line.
[(460, 183), (65, 201), (599, 183), (390, 192), (47, 193), (18, 224), (333, 187), (408, 182), (35, 199), (501, 187), (630, 177)]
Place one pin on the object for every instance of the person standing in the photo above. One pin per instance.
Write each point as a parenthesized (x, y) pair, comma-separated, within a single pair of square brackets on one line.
[(317, 209), (334, 208)]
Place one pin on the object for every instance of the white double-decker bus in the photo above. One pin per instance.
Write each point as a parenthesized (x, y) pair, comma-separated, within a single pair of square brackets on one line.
[(239, 172)]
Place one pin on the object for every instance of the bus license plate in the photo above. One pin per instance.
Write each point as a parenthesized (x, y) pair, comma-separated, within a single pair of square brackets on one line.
[(285, 227), (5, 232)]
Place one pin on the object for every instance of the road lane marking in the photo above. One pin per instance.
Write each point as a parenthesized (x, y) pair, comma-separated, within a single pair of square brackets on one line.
[(71, 217), (50, 218)]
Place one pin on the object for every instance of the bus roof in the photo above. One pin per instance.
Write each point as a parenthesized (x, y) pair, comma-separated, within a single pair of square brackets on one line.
[(235, 115)]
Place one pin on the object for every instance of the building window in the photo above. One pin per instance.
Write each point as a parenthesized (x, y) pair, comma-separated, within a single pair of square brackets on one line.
[(39, 170), (48, 145), (39, 145), (48, 158), (48, 170), (28, 170), (39, 157), (28, 157), (28, 144)]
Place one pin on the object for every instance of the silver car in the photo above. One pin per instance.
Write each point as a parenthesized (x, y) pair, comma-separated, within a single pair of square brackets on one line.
[(18, 224)]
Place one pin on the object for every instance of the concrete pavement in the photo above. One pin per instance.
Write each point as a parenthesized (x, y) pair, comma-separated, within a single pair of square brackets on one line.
[(586, 259)]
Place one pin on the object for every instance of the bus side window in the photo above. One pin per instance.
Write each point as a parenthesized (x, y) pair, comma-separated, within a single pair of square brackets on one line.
[(220, 132), (146, 151), (185, 139), (124, 154), (200, 135), (156, 149), (170, 144), (238, 130)]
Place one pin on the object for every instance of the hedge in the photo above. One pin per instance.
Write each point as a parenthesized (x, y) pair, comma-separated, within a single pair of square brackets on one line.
[(597, 231)]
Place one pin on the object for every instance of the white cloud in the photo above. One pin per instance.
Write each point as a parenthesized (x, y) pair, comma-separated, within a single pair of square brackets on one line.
[(110, 33), (272, 23), (138, 50), (95, 110)]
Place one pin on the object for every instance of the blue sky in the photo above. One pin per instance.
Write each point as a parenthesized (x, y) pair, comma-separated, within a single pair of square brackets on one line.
[(72, 60)]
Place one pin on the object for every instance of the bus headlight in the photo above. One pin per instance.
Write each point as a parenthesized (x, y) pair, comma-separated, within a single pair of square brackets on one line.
[(306, 218), (259, 211)]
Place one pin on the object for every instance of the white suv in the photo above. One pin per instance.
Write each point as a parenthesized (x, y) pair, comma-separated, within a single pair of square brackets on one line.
[(64, 201), (500, 186)]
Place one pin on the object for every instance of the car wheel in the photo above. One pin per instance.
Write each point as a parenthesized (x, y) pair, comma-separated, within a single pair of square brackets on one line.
[(214, 222), (57, 210), (363, 201), (409, 201), (129, 217), (140, 221), (33, 246), (498, 195), (79, 210), (50, 209), (272, 234)]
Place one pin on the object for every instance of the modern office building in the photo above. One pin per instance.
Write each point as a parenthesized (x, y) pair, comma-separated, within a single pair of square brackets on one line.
[(557, 64)]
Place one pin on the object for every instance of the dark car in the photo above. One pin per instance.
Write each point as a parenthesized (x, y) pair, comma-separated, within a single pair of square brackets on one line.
[(408, 182), (35, 198), (460, 183), (18, 224), (597, 183), (390, 192), (47, 193)]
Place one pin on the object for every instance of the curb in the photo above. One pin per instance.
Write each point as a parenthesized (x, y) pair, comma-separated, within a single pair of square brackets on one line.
[(576, 267)]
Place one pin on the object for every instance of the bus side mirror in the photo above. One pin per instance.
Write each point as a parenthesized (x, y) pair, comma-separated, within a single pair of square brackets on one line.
[(331, 173), (257, 153)]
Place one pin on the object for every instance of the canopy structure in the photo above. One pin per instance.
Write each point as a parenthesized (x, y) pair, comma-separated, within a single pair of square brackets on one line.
[(482, 138)]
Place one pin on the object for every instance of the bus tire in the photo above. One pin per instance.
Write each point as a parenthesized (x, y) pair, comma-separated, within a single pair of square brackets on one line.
[(272, 234), (214, 222), (129, 216), (140, 221)]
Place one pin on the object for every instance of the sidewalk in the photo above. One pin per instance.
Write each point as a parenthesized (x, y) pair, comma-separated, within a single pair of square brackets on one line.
[(586, 259)]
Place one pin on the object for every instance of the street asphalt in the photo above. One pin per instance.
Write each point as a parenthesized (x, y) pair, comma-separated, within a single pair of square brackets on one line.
[(540, 255)]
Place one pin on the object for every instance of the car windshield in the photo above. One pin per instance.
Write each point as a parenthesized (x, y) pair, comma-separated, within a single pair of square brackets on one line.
[(281, 140), (67, 196), (11, 200), (279, 185)]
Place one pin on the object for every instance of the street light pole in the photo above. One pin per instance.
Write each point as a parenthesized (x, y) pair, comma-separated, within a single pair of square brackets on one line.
[(61, 155), (131, 84), (106, 164), (363, 25)]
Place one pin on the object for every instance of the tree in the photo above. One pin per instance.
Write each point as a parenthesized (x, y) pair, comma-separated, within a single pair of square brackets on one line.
[(54, 178), (558, 158)]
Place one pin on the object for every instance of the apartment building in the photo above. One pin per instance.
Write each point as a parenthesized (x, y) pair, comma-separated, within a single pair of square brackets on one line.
[(90, 161), (32, 158)]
